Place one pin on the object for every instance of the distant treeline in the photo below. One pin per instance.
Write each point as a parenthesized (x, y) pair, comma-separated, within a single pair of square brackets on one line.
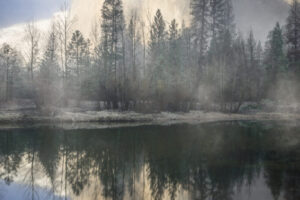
[(128, 62)]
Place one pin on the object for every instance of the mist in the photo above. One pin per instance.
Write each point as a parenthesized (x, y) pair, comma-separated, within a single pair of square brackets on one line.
[(232, 55), (151, 99), (257, 15)]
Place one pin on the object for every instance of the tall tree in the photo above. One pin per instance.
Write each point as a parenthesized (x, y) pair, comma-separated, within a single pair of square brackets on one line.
[(275, 58), (240, 76), (48, 79), (174, 53), (253, 67), (134, 43), (221, 49), (65, 23), (78, 59), (32, 37), (77, 50), (216, 14), (157, 54), (293, 36), (216, 25), (177, 89), (112, 48), (200, 22), (10, 67)]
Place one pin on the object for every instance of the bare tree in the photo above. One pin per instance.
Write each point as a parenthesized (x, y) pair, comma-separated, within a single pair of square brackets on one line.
[(142, 24), (32, 36), (64, 23)]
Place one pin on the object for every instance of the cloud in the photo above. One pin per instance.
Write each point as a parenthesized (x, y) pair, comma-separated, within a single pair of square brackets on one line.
[(258, 15), (14, 35), (87, 11), (19, 11)]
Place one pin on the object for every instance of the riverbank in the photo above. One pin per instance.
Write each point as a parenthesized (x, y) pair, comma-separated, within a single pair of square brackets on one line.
[(24, 112), (133, 117)]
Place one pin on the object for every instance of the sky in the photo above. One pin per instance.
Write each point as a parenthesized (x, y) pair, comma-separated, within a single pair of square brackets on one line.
[(18, 11), (260, 16), (257, 15)]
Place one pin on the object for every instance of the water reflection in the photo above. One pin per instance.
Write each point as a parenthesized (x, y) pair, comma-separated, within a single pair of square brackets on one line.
[(218, 161)]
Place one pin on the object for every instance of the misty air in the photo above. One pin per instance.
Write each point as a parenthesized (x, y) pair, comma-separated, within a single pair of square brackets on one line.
[(150, 99)]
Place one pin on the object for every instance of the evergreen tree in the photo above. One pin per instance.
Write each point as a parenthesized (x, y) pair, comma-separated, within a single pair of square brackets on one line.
[(216, 14), (293, 36), (158, 62), (260, 72), (200, 12), (78, 51), (133, 60), (175, 58), (240, 76), (78, 59), (134, 44), (49, 87), (112, 48), (251, 65), (220, 52), (175, 68), (10, 63), (275, 59), (157, 47), (158, 32)]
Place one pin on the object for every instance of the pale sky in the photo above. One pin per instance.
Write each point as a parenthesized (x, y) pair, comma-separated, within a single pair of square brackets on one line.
[(18, 11), (258, 15)]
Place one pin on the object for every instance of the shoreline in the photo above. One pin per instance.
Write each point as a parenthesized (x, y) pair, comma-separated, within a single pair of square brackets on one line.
[(105, 119)]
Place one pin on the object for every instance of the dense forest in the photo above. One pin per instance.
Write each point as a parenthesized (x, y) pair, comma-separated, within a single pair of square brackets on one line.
[(170, 67)]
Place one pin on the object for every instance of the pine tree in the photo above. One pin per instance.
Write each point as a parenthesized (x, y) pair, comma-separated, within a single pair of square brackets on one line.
[(157, 46), (158, 31), (260, 72), (112, 48), (293, 36), (200, 12), (274, 54), (78, 52), (177, 67), (175, 57), (158, 55), (220, 52), (78, 59), (10, 67), (133, 60), (253, 68), (217, 18), (239, 81), (49, 74), (216, 14), (134, 43)]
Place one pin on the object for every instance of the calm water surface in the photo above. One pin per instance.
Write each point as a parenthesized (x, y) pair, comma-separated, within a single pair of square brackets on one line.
[(215, 161)]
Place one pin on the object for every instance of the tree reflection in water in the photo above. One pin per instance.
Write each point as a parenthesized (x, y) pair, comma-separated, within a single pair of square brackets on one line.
[(209, 161)]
